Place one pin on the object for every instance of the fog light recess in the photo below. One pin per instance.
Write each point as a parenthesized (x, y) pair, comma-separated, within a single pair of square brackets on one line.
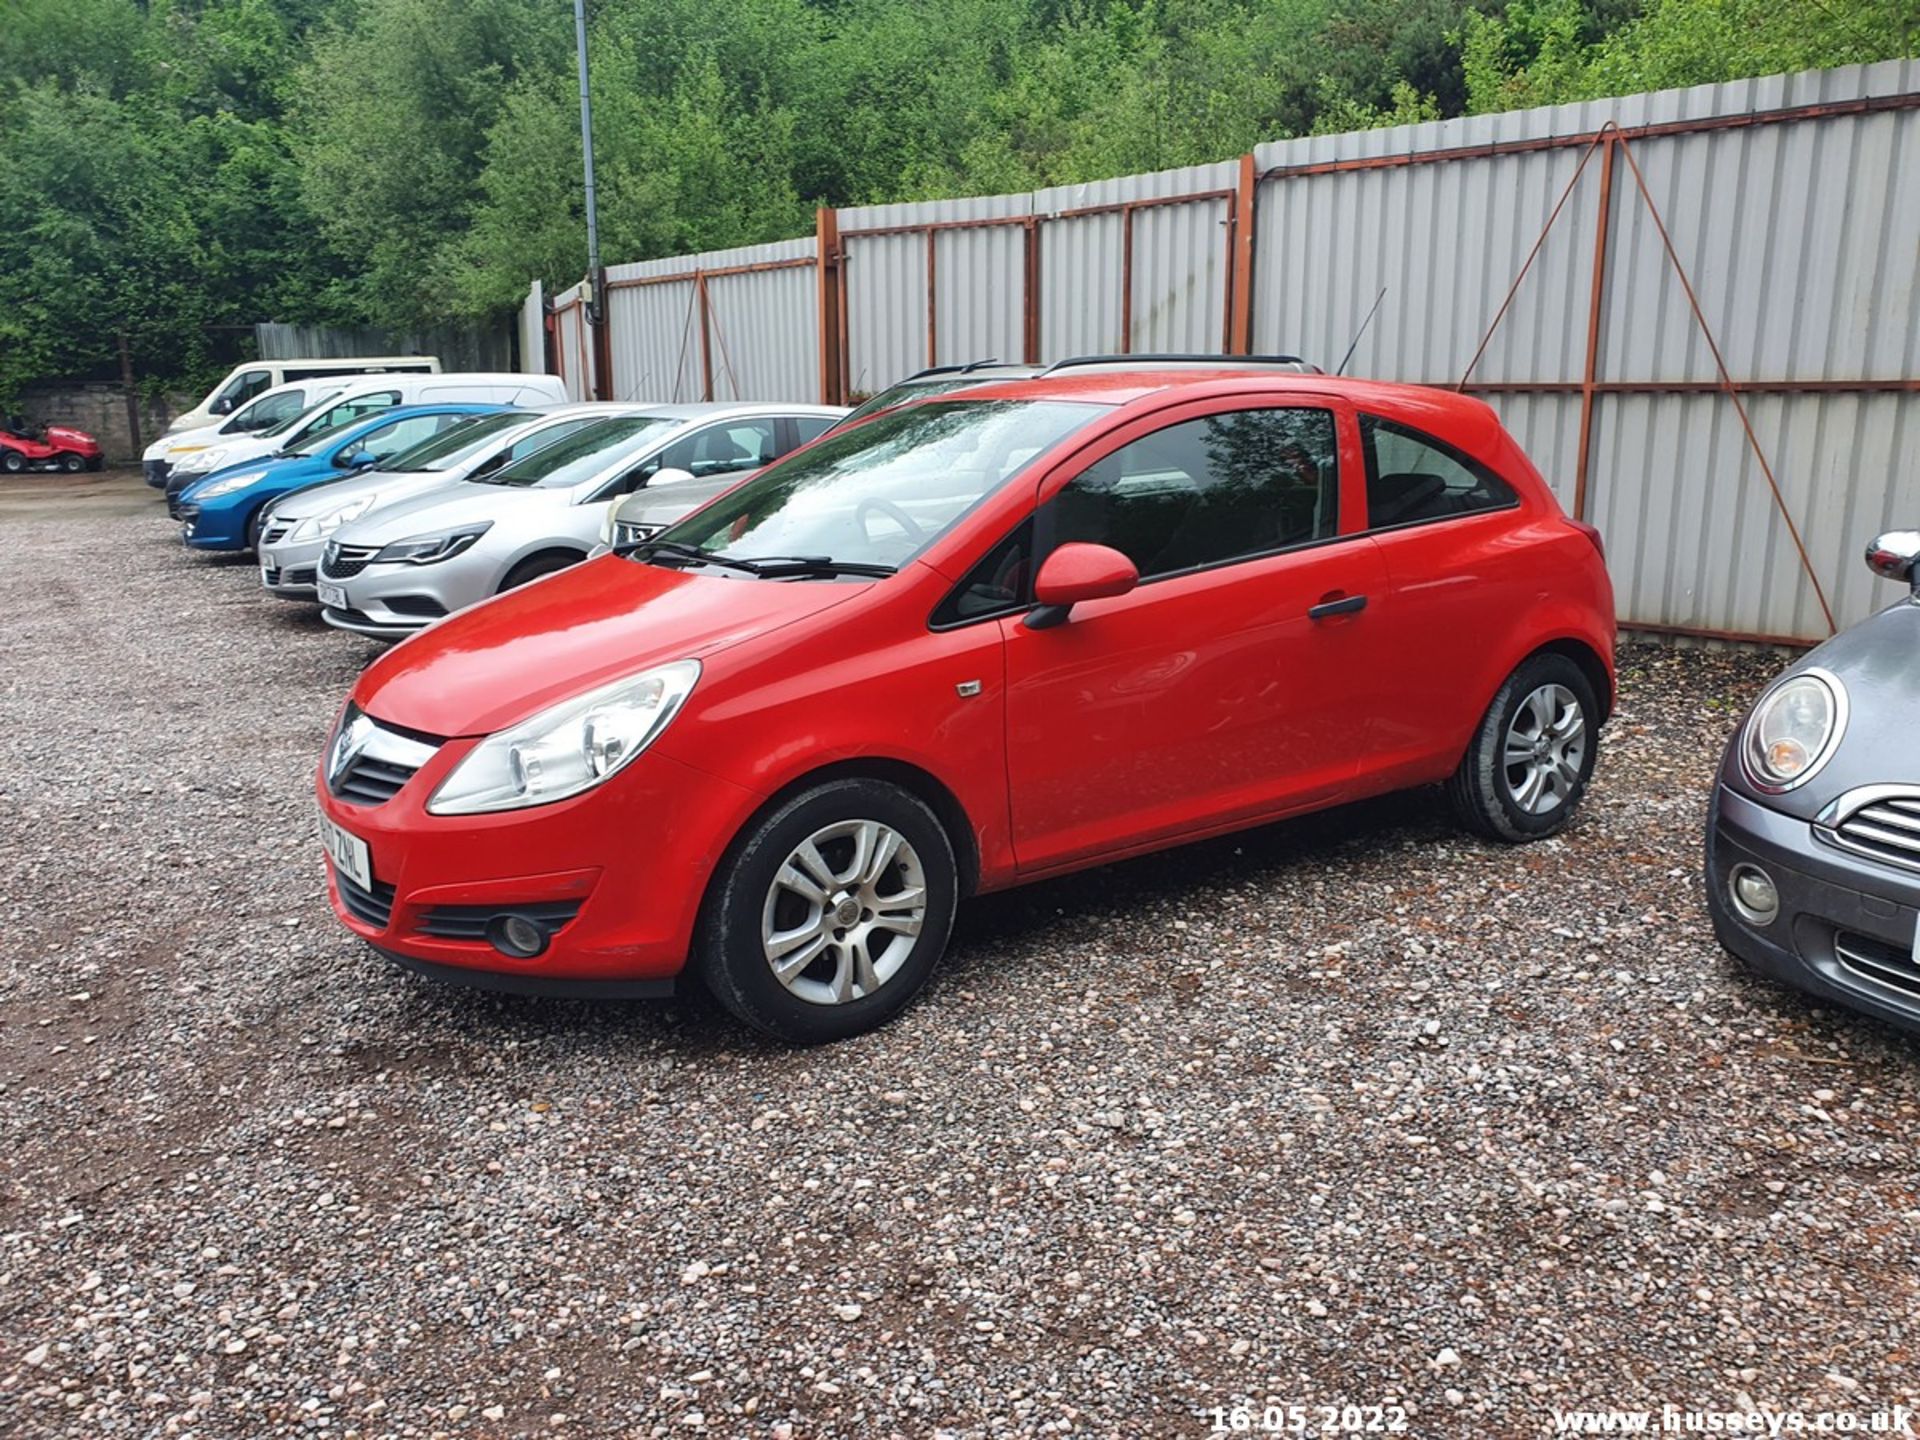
[(516, 936), (1753, 894)]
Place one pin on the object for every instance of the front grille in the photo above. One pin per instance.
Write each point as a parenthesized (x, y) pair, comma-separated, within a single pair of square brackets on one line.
[(275, 532), (469, 922), (343, 562), (367, 781), (1887, 829), (1877, 960), (367, 763), (370, 907)]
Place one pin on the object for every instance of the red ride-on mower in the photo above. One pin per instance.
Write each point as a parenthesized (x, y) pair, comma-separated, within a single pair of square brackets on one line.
[(24, 446)]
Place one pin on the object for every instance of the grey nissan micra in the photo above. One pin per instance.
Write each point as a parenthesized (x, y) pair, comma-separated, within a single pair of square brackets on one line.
[(1813, 842)]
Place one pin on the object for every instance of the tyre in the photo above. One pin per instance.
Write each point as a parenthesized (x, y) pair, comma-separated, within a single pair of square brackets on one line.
[(534, 566), (73, 464), (1531, 756), (828, 915), (256, 522), (12, 461)]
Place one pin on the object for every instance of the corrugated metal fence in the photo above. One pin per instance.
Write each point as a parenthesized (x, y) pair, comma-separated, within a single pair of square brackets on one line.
[(1793, 204)]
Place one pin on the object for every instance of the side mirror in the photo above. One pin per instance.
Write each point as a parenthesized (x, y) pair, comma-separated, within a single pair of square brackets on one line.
[(1893, 556), (1074, 572), (361, 460), (223, 406), (669, 475)]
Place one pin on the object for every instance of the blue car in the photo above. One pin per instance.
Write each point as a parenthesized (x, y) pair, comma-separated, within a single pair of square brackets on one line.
[(223, 511)]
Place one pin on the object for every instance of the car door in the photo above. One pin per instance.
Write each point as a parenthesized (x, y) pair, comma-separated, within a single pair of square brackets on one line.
[(1234, 682), (394, 436)]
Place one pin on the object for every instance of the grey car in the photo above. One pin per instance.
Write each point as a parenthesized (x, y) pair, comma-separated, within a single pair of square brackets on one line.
[(403, 566), (295, 530), (1813, 843)]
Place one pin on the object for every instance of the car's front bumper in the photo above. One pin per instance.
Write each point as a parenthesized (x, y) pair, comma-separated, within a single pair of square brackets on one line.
[(212, 527), (1846, 928), (156, 472), (288, 568), (624, 864)]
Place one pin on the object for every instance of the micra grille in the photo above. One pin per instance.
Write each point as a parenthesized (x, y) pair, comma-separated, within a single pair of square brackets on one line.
[(368, 763), (370, 907), (275, 533), (469, 922), (343, 562), (1888, 829)]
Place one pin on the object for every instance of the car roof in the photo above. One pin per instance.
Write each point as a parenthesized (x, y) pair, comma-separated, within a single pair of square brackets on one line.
[(705, 409)]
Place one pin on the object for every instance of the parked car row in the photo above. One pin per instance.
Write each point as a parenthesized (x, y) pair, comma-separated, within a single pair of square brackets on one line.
[(811, 678)]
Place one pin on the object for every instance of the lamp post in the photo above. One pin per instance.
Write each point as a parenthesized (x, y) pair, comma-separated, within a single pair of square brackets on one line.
[(596, 303)]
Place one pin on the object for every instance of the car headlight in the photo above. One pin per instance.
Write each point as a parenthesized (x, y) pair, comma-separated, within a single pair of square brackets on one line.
[(1794, 730), (325, 523), (625, 532), (227, 484), (191, 460), (566, 748), (431, 549)]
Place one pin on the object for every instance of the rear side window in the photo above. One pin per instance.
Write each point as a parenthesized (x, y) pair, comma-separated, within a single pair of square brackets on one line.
[(809, 428), (1413, 478), (1203, 492)]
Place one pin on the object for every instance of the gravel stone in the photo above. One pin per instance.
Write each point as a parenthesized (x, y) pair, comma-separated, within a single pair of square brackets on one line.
[(1353, 1110)]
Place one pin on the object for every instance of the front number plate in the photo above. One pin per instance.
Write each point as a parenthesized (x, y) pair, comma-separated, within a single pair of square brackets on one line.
[(348, 852), (332, 596)]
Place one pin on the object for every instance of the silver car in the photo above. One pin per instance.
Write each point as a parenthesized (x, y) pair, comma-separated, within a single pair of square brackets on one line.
[(403, 566), (296, 527)]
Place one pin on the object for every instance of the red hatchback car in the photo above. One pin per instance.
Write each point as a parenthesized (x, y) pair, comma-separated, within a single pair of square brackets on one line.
[(973, 642)]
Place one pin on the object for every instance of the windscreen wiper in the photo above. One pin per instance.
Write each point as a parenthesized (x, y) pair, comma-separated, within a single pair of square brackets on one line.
[(764, 566), (693, 554)]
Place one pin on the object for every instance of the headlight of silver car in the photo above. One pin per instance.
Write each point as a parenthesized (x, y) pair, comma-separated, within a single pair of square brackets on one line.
[(431, 549), (566, 748), (1794, 730), (227, 484), (325, 523)]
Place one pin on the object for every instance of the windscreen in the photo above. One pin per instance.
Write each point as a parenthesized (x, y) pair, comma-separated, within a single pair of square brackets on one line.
[(454, 445), (880, 494), (584, 454)]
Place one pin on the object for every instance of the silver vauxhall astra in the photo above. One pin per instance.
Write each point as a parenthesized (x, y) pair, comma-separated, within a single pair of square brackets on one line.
[(403, 566), (296, 527)]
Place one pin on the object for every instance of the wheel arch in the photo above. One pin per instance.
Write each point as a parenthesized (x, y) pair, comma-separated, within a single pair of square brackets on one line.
[(1590, 664), (922, 784), (572, 554)]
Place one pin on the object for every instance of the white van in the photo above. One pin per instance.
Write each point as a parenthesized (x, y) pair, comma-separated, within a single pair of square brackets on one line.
[(262, 413), (362, 396), (243, 382)]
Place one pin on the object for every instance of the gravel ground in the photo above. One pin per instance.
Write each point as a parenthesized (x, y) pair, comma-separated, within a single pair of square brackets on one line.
[(1352, 1110)]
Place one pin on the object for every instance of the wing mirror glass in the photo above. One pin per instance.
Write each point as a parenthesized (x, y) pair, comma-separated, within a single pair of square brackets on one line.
[(1074, 572), (1894, 556)]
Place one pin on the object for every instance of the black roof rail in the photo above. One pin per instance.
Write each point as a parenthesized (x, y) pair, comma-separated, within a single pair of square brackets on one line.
[(954, 369), (1229, 362)]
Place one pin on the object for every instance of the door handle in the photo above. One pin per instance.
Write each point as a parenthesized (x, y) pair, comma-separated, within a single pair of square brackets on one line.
[(1327, 609)]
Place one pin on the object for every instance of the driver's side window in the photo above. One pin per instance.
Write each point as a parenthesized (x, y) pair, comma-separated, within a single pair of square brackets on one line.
[(736, 445)]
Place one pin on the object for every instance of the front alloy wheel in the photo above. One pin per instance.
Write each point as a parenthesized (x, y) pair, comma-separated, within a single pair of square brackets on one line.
[(829, 912), (844, 912)]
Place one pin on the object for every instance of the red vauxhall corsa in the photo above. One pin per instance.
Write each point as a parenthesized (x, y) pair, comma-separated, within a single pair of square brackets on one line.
[(970, 643)]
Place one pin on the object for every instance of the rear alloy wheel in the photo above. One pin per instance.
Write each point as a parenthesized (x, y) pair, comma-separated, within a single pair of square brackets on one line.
[(829, 916), (1532, 755)]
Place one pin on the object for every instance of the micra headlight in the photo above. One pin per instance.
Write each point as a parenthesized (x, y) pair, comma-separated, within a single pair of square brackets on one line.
[(200, 459), (1794, 730), (227, 484), (431, 549), (566, 748)]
